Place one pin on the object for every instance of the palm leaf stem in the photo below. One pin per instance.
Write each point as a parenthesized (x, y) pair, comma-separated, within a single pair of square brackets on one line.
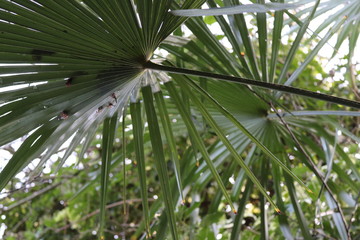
[(267, 85), (314, 113)]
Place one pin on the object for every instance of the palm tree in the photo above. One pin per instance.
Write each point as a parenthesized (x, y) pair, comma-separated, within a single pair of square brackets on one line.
[(70, 67)]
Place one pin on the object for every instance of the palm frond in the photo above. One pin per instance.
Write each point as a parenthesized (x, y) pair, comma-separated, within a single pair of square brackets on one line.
[(69, 68)]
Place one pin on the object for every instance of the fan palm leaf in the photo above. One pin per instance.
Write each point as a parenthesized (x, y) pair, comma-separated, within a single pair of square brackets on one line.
[(75, 71), (69, 66)]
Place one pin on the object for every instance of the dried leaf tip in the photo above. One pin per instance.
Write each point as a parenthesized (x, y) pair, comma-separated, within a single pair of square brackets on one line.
[(242, 54), (63, 115), (310, 191), (69, 82), (102, 238), (234, 211), (278, 211), (100, 109), (114, 97)]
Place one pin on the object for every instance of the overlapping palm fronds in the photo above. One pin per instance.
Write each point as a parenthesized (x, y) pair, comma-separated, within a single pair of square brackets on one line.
[(68, 67)]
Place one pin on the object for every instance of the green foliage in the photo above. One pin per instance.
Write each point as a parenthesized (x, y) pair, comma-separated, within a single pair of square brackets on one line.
[(225, 131)]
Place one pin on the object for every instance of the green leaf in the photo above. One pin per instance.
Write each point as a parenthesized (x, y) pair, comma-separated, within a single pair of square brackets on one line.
[(244, 130), (263, 214), (109, 130), (283, 218), (262, 30), (314, 52), (250, 157), (338, 221), (301, 220), (124, 157), (236, 230), (29, 149), (160, 162), (259, 8), (276, 43), (241, 26), (209, 20), (296, 44), (226, 142), (138, 126), (196, 140), (165, 121)]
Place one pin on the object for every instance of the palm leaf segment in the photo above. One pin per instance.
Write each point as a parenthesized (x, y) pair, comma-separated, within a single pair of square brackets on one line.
[(80, 61)]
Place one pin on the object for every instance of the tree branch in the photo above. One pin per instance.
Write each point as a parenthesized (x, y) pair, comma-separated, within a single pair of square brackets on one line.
[(31, 197)]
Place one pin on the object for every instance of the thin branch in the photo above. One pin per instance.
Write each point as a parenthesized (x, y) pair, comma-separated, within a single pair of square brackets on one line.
[(112, 205), (315, 169), (267, 85), (31, 197), (355, 208), (317, 232), (39, 180), (250, 229), (18, 224)]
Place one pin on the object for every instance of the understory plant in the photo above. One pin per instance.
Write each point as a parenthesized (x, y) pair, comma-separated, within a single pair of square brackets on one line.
[(215, 123)]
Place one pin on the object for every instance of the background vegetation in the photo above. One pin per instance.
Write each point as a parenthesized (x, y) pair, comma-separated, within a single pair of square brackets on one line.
[(127, 120)]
